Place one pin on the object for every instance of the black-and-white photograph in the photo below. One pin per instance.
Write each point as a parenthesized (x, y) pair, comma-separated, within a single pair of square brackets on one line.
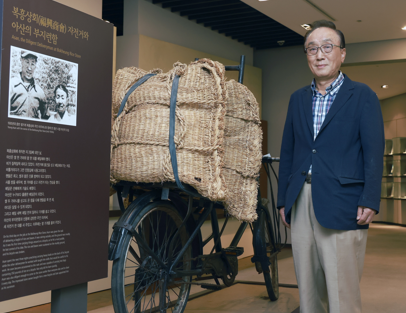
[(42, 88)]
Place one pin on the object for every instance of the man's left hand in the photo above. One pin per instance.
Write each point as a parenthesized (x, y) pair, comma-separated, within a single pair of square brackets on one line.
[(365, 215)]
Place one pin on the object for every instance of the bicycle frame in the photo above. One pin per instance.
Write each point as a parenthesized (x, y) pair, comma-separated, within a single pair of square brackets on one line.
[(125, 222)]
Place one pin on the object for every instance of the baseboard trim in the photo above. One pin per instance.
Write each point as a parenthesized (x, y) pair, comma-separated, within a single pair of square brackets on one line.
[(389, 223)]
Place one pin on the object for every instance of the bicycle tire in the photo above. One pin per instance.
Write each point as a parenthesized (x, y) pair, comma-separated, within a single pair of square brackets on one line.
[(135, 275), (271, 274)]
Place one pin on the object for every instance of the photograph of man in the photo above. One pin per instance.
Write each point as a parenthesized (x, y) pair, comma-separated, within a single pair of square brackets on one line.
[(330, 172), (61, 114), (27, 99)]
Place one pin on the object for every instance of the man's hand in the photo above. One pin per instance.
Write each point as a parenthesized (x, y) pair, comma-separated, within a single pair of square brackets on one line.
[(365, 215), (282, 213)]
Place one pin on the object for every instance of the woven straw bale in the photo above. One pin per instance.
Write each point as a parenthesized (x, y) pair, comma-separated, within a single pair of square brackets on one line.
[(241, 102), (123, 81), (242, 140), (140, 135), (241, 197), (242, 152), (218, 135)]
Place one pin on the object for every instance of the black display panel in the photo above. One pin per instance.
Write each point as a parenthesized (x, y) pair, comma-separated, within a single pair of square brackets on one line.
[(55, 116)]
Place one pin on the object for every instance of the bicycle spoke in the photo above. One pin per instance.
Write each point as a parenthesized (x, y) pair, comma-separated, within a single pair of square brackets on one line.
[(168, 236), (144, 294), (131, 275), (152, 232), (135, 255), (144, 261), (169, 298), (165, 239), (175, 292), (153, 295), (173, 257), (151, 300)]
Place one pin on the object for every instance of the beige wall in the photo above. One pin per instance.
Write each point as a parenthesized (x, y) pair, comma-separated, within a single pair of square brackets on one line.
[(394, 116), (91, 7), (162, 24), (387, 50)]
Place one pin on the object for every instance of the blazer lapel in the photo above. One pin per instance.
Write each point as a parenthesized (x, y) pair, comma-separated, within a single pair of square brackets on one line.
[(308, 110), (345, 92)]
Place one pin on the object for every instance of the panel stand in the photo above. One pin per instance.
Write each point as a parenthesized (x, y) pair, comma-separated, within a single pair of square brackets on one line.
[(69, 299)]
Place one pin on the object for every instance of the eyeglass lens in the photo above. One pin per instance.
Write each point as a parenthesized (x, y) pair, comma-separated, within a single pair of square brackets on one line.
[(324, 48)]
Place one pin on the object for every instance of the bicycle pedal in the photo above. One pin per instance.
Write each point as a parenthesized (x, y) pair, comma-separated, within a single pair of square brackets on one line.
[(211, 286), (235, 251)]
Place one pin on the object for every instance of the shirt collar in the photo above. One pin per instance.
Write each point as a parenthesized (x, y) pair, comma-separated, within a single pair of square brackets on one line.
[(332, 88), (31, 84)]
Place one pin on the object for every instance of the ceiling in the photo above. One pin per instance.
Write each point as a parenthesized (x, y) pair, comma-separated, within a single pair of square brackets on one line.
[(113, 11), (233, 18), (237, 20), (360, 21), (379, 19), (261, 24)]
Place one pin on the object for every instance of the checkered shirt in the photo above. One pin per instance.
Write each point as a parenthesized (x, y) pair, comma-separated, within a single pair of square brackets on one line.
[(322, 104)]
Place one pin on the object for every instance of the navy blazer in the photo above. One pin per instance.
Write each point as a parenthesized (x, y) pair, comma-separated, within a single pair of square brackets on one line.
[(346, 156)]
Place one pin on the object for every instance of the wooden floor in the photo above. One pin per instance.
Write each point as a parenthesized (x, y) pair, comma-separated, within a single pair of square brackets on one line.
[(94, 301), (382, 284), (103, 298)]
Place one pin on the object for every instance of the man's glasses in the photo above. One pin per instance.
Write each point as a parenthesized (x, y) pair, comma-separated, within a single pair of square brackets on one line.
[(327, 48)]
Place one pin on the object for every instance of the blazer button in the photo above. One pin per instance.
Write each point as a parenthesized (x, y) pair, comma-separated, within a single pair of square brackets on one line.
[(304, 173), (314, 151)]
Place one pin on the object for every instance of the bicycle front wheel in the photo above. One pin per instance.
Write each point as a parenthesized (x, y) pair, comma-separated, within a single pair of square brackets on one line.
[(270, 274), (137, 277)]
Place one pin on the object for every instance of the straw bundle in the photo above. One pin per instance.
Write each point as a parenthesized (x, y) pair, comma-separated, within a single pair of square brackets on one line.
[(218, 136), (242, 152), (140, 148)]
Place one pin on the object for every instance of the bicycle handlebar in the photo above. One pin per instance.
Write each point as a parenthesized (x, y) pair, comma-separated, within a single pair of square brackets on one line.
[(268, 159)]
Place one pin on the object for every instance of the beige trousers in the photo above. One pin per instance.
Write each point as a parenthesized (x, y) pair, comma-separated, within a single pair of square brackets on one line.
[(328, 262)]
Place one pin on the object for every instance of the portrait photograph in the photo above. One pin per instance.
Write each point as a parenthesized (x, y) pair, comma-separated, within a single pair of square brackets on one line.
[(42, 88)]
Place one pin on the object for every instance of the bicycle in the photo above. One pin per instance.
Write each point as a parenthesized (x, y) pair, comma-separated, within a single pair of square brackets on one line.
[(157, 246)]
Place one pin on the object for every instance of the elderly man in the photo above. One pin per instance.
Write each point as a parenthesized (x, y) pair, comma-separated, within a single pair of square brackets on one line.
[(27, 99), (330, 176)]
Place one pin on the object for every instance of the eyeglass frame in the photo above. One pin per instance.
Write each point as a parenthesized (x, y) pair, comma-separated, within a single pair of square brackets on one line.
[(322, 50)]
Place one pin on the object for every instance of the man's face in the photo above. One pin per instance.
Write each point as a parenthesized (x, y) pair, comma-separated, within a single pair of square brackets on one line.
[(61, 99), (28, 67), (325, 66)]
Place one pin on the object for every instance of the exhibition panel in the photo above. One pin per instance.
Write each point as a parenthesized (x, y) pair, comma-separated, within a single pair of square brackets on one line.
[(55, 139)]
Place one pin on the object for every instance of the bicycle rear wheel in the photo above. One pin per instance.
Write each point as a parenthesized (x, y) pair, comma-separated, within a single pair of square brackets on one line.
[(137, 277), (271, 273)]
